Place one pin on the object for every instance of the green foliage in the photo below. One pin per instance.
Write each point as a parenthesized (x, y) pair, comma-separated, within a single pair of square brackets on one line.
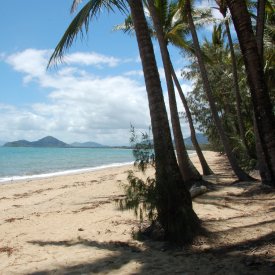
[(142, 149), (219, 68), (81, 23), (140, 195)]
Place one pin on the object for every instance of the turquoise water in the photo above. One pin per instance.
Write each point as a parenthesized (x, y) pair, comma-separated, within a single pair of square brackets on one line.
[(22, 163), (26, 162)]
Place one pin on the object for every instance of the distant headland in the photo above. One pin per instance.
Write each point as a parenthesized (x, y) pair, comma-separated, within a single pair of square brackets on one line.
[(53, 142), (50, 141)]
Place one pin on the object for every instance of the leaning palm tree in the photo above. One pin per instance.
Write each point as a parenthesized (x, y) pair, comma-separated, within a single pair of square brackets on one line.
[(260, 27), (186, 12), (170, 29), (263, 109), (174, 32), (173, 201), (223, 10), (188, 170)]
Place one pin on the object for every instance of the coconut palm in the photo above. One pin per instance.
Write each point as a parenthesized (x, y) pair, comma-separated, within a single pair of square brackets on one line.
[(186, 12), (174, 204), (260, 27), (264, 116), (223, 10), (174, 31), (188, 170)]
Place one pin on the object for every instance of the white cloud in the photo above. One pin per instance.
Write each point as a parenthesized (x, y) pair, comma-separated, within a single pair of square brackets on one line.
[(92, 58), (134, 73), (215, 12), (81, 106)]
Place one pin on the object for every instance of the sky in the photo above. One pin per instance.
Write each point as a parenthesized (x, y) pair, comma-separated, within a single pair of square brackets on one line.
[(94, 95)]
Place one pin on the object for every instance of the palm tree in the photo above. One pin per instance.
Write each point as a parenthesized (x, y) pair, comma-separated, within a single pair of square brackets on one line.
[(260, 27), (223, 10), (175, 211), (185, 7), (264, 115), (173, 32), (189, 172), (174, 204), (205, 167), (169, 30)]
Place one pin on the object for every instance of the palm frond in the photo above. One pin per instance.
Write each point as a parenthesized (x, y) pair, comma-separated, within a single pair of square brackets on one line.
[(162, 10), (75, 5), (82, 21), (127, 26)]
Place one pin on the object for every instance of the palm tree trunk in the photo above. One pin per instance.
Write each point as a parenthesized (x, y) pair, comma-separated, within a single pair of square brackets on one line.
[(205, 167), (260, 27), (174, 204), (265, 119), (262, 165), (237, 91), (224, 139), (188, 170)]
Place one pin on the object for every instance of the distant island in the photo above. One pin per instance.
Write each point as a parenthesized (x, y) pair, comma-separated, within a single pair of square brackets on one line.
[(201, 138), (50, 141)]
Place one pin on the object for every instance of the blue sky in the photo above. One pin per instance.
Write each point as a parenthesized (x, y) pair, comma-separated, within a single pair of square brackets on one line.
[(93, 96)]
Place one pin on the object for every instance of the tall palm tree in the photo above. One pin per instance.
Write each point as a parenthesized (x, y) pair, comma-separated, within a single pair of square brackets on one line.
[(175, 211), (170, 29), (260, 27), (189, 172), (264, 115), (185, 7), (223, 10), (173, 32), (204, 165), (174, 204)]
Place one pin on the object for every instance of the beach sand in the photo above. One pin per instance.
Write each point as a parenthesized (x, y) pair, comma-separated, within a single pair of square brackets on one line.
[(71, 225)]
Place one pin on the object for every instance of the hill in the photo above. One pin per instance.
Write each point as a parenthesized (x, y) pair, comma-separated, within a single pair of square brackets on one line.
[(202, 139), (44, 142)]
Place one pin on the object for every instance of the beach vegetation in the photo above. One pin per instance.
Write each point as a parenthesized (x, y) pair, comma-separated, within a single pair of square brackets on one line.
[(140, 192)]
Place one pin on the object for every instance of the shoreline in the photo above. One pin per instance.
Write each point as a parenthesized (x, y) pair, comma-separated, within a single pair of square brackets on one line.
[(14, 179)]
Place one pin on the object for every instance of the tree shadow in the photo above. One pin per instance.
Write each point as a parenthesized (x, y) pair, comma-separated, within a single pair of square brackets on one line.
[(247, 226), (219, 202), (156, 258)]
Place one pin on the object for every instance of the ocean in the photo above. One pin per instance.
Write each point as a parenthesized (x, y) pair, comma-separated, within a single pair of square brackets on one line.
[(18, 163), (26, 162)]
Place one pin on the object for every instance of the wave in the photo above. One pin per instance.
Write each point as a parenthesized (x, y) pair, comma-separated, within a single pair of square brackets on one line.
[(62, 173)]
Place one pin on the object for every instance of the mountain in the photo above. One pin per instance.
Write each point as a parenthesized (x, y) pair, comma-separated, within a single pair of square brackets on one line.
[(18, 143), (202, 139), (43, 142), (89, 144)]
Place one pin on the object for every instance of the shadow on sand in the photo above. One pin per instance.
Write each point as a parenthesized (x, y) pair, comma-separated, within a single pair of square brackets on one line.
[(154, 256)]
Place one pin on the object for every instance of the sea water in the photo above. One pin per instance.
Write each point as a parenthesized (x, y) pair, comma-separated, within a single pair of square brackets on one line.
[(26, 162)]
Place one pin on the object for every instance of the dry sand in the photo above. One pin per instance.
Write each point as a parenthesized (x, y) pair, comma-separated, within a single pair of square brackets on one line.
[(71, 225)]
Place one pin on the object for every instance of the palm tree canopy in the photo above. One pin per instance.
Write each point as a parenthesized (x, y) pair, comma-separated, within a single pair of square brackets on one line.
[(81, 23)]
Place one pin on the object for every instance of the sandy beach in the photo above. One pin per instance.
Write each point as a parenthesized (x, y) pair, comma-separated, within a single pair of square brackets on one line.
[(71, 224)]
